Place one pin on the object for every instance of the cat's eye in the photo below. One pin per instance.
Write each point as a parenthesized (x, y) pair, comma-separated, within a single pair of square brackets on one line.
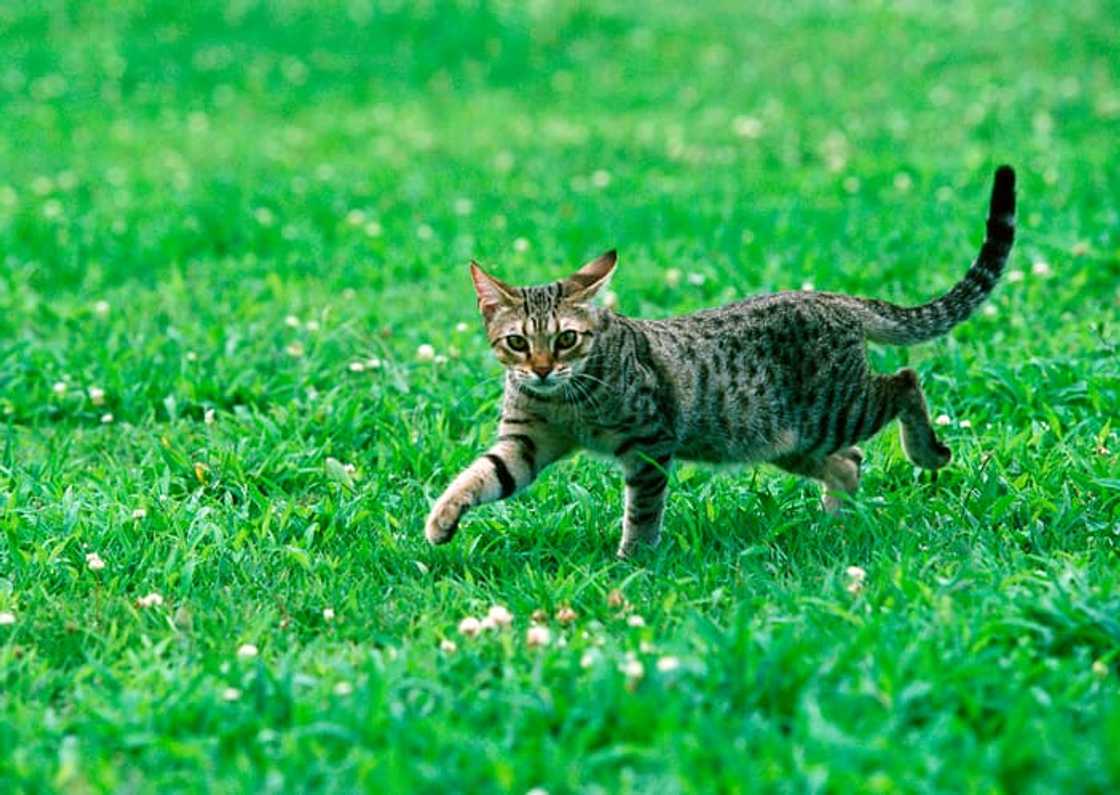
[(517, 343), (566, 339)]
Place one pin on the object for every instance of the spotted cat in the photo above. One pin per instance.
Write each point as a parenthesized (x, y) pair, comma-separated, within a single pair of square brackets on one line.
[(780, 378)]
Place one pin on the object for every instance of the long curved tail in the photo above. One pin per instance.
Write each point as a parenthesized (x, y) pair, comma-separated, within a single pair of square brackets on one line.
[(898, 325)]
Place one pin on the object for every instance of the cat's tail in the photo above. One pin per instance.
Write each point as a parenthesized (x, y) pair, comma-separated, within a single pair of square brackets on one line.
[(897, 325)]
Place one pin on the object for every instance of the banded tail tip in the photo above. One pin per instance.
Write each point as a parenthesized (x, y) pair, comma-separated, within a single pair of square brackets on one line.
[(1003, 191)]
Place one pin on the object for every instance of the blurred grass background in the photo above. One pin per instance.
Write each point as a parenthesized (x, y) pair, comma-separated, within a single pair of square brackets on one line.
[(232, 210)]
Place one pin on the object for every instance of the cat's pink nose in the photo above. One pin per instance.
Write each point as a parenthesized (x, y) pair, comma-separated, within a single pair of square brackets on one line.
[(542, 371)]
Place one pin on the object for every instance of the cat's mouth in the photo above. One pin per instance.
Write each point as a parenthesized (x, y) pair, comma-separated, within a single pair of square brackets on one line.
[(538, 386)]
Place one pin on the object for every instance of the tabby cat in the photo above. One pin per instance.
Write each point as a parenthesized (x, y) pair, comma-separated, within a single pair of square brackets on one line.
[(777, 378)]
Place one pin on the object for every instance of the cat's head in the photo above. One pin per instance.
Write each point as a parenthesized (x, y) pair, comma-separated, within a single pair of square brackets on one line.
[(543, 335)]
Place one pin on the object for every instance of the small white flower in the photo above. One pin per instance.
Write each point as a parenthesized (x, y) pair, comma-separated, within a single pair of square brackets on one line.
[(696, 279), (294, 349), (487, 624), (208, 416), (152, 599), (807, 287), (537, 791), (343, 688), (94, 561), (462, 328), (668, 663), (448, 646), (357, 367), (6, 618), (1100, 667), (521, 245), (566, 615), (139, 513), (247, 650), (903, 182), (635, 621), (425, 353), (538, 635), (632, 667), (312, 326), (1041, 268), (355, 218), (500, 615), (192, 356), (589, 658), (601, 178), (373, 364), (231, 694), (291, 321), (373, 229), (746, 126), (463, 206), (96, 395), (264, 216), (425, 232), (943, 420), (470, 626), (965, 423), (1014, 276), (440, 359), (673, 277), (59, 387), (328, 614), (106, 419), (101, 308), (990, 310), (856, 573)]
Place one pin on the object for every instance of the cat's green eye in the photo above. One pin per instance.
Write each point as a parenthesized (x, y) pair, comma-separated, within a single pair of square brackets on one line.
[(517, 343), (566, 339)]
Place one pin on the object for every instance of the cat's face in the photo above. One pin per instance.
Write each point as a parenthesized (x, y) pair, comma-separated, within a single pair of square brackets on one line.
[(543, 335)]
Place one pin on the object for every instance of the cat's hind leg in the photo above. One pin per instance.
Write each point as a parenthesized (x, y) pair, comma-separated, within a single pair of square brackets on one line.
[(919, 441), (838, 472)]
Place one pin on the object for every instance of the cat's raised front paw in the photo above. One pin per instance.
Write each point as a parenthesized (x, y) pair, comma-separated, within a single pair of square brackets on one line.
[(442, 522)]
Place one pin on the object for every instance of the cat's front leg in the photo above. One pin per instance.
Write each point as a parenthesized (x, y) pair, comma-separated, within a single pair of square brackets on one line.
[(647, 478), (509, 466)]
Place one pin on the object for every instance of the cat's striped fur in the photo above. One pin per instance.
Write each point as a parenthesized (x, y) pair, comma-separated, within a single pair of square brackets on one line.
[(778, 378)]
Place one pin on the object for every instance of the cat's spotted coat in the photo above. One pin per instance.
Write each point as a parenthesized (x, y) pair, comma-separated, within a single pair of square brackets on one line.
[(778, 378)]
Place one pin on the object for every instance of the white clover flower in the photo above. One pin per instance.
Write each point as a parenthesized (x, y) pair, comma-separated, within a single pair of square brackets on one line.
[(425, 232), (463, 206), (965, 423), (448, 646), (566, 615), (328, 614), (355, 218), (59, 387), (673, 277), (807, 287), (139, 513), (294, 349), (106, 419), (426, 353), (1100, 668), (291, 321), (96, 395), (538, 635), (343, 688), (632, 667), (668, 663), (373, 229), (500, 615), (101, 308), (696, 279), (231, 694), (312, 326), (943, 420), (990, 310), (469, 627), (601, 178), (152, 599), (192, 356), (589, 658), (208, 416), (357, 367), (1014, 276), (373, 364), (746, 126), (1041, 268), (247, 650), (7, 618), (461, 327), (635, 621), (521, 245), (903, 181), (94, 561), (856, 573)]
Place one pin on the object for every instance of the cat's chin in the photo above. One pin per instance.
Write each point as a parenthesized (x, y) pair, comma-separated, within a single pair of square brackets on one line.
[(541, 390)]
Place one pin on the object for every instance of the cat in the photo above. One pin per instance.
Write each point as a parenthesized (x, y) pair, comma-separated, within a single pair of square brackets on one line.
[(779, 378)]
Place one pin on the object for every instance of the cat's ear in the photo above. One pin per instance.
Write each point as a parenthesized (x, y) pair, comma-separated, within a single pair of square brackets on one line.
[(591, 278), (492, 293)]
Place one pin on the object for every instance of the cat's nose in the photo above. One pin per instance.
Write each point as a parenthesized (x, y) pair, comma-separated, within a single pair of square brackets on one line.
[(542, 370)]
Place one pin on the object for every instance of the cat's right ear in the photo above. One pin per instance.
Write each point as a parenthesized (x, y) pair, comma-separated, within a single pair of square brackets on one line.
[(492, 293)]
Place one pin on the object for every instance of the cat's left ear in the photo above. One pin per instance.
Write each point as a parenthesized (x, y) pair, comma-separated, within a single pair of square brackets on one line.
[(592, 277)]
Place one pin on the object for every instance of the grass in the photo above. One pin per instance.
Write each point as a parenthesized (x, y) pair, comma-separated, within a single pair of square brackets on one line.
[(212, 212)]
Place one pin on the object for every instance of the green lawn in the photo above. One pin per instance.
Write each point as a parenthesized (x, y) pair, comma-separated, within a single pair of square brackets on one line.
[(213, 220)]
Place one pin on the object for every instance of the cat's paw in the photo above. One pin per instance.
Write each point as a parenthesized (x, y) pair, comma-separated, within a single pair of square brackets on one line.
[(443, 521)]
